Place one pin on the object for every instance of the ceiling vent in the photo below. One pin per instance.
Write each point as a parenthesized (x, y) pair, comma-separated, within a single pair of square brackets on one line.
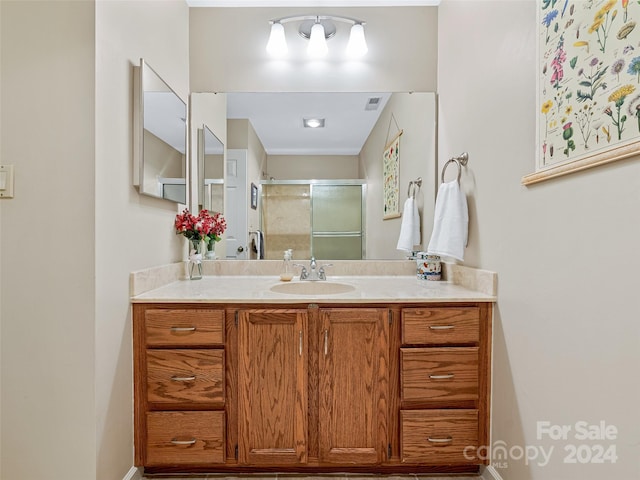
[(373, 103)]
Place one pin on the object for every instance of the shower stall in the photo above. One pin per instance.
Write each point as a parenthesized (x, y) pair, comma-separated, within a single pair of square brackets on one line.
[(320, 218)]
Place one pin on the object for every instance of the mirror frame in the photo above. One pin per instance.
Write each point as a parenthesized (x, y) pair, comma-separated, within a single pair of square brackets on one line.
[(139, 131)]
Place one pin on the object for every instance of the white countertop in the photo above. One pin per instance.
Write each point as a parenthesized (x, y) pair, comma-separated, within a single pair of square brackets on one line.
[(256, 289)]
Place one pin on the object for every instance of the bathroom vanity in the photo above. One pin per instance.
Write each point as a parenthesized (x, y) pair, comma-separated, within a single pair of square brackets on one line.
[(390, 376)]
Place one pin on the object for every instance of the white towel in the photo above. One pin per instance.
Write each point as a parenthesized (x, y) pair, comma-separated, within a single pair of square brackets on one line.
[(410, 228), (450, 223)]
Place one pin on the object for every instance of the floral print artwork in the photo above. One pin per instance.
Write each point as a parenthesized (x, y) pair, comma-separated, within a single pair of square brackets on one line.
[(391, 179), (589, 78)]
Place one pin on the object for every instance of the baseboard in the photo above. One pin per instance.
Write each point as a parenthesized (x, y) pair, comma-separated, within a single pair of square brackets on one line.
[(133, 474), (490, 473)]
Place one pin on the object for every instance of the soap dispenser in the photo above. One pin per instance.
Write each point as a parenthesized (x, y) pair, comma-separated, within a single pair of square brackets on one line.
[(286, 275)]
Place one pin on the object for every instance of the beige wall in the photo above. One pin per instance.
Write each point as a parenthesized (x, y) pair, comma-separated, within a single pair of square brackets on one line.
[(228, 54), (132, 231), (47, 254), (566, 324), (304, 167), (67, 386), (415, 114)]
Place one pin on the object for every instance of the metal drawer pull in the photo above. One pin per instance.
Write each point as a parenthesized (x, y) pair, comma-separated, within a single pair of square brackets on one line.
[(190, 378), (440, 440), (300, 343), (184, 442), (441, 377), (183, 329), (326, 342), (441, 327)]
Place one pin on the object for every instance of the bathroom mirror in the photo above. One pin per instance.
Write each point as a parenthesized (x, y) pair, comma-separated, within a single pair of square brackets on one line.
[(210, 171), (160, 137), (289, 152)]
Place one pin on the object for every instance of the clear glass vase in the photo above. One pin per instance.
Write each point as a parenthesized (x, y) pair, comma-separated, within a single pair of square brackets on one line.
[(210, 254), (195, 259)]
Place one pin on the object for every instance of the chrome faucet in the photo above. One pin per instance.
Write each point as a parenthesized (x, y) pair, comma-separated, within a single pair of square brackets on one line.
[(314, 273)]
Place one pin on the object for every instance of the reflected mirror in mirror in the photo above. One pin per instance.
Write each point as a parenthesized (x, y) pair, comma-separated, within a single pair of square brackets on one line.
[(160, 137), (210, 171)]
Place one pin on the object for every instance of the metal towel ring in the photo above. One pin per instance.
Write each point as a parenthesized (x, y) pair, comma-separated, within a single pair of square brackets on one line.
[(460, 160)]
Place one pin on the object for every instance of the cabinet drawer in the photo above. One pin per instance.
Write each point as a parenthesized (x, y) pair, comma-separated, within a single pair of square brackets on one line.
[(179, 376), (179, 438), (182, 327), (440, 326), (447, 373), (439, 436)]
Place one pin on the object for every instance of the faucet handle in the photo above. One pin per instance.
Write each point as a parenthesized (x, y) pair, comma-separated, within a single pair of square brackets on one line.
[(321, 273), (303, 271)]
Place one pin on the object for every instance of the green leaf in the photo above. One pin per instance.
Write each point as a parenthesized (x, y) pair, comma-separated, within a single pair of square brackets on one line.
[(573, 62), (585, 83)]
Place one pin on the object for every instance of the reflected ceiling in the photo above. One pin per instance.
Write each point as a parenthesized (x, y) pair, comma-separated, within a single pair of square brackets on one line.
[(278, 120)]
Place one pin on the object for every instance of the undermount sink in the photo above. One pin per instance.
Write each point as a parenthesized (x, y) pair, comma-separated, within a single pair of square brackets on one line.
[(313, 288)]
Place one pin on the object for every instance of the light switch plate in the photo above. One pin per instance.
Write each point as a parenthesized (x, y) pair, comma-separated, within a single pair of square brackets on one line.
[(6, 181)]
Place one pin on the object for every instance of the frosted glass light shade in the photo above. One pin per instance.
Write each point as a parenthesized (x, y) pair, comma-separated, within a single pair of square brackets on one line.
[(357, 46), (277, 44), (317, 43)]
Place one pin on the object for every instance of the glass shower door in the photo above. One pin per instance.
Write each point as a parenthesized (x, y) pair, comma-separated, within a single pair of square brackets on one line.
[(336, 222)]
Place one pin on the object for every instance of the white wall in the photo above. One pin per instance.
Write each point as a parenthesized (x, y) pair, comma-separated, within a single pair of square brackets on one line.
[(48, 241), (132, 231), (566, 324)]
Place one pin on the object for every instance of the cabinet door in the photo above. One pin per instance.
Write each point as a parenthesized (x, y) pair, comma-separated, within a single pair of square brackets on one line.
[(272, 379), (353, 393)]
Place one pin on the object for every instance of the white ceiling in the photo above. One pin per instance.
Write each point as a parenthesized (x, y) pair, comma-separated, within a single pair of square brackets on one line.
[(277, 119)]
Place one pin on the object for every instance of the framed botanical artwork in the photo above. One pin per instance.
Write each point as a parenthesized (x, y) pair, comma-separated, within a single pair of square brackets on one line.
[(588, 83), (391, 178)]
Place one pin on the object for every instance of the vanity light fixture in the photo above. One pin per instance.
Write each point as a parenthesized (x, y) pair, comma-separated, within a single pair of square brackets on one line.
[(317, 29), (313, 122)]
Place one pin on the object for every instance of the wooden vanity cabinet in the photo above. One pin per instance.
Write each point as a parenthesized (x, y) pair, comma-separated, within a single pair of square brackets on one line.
[(272, 386), (179, 386), (444, 384), (311, 388), (339, 397)]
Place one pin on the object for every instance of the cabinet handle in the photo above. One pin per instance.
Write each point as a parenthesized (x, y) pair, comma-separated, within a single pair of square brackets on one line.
[(184, 442), (183, 329), (176, 378), (300, 343), (440, 327), (326, 342), (440, 440), (441, 377)]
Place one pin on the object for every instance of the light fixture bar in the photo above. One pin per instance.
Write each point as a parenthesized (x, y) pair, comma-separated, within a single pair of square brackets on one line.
[(317, 29), (299, 18)]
